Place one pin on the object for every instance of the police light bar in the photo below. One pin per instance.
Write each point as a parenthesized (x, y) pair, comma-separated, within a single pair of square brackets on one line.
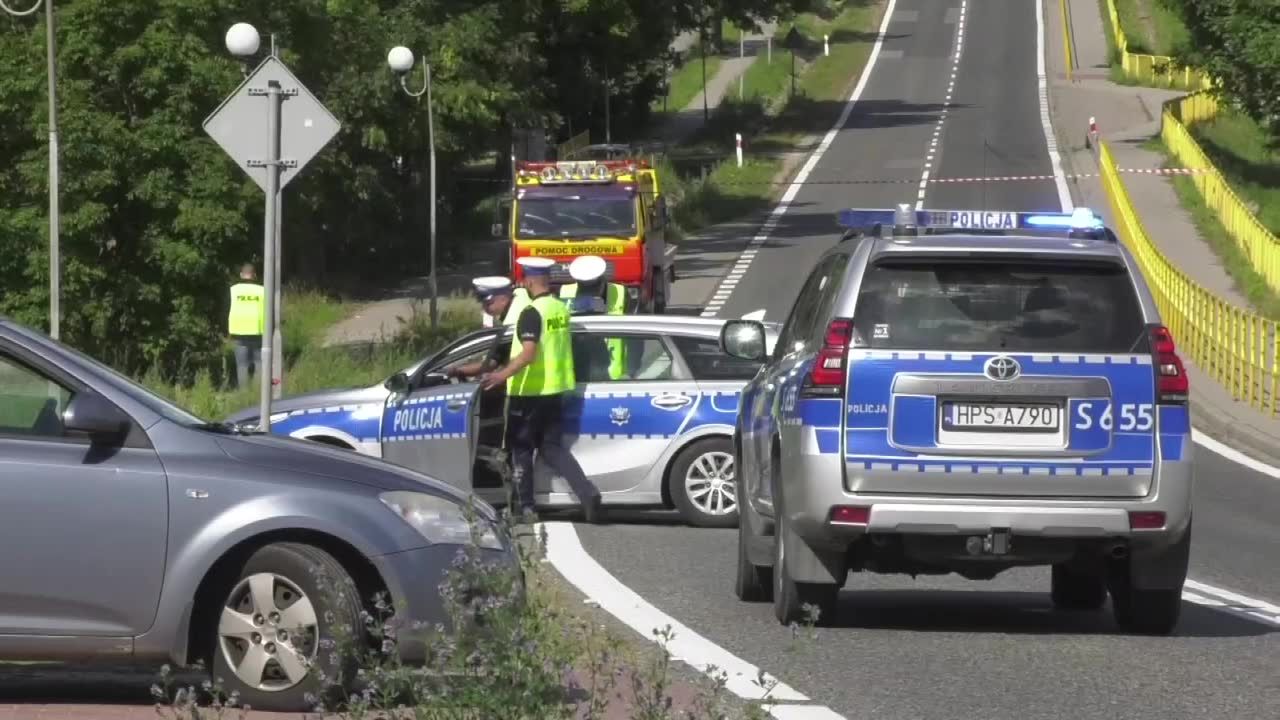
[(1081, 219), (577, 171)]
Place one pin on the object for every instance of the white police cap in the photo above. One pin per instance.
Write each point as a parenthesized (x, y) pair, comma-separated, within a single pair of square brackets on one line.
[(488, 286), (587, 268), (536, 265)]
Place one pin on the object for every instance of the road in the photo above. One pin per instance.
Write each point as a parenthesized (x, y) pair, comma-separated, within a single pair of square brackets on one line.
[(946, 647)]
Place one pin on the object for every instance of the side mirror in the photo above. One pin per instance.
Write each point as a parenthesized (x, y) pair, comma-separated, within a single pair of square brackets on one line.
[(434, 379), (743, 339), (95, 416), (398, 384)]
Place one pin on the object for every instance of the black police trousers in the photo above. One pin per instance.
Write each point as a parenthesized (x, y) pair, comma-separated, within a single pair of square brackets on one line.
[(534, 423)]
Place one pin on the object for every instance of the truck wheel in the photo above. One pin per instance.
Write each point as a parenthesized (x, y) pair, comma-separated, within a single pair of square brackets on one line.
[(1075, 590)]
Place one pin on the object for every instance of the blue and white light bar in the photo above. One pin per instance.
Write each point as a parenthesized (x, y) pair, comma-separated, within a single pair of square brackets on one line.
[(1082, 219)]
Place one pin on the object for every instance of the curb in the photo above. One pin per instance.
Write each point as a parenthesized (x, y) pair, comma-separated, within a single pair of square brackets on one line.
[(1233, 432)]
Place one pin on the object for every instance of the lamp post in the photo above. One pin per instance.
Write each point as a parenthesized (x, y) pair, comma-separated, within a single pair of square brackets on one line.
[(400, 60), (55, 255)]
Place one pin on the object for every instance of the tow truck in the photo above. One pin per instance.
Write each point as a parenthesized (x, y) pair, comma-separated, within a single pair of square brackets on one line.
[(611, 208)]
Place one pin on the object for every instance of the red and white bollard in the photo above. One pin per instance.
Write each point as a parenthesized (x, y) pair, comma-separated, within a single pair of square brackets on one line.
[(737, 139), (1091, 140)]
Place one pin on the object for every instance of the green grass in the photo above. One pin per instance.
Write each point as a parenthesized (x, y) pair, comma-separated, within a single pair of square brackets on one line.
[(768, 81), (1250, 284), (1150, 27), (686, 82), (1240, 148)]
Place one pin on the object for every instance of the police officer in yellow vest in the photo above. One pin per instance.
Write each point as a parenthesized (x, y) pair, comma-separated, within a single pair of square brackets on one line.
[(246, 321), (540, 378), (503, 302), (588, 271)]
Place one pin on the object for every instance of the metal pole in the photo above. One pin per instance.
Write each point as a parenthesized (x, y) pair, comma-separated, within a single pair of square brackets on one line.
[(742, 53), (702, 43), (55, 253), (431, 142), (608, 137), (277, 339), (266, 372)]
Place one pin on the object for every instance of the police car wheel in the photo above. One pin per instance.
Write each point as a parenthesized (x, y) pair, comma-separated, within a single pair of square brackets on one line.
[(702, 483), (792, 601), (1076, 590), (753, 583), (286, 602)]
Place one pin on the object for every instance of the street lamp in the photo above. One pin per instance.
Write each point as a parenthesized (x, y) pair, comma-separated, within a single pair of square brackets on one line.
[(55, 259), (400, 60), (242, 40)]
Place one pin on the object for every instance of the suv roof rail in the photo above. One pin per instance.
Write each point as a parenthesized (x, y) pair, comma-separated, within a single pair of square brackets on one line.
[(903, 222)]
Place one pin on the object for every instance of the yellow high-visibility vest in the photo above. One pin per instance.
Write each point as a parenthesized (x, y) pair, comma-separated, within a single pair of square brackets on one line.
[(615, 304), (551, 371), (248, 314)]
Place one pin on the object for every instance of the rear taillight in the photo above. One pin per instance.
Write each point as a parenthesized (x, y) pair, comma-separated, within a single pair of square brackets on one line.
[(1172, 385), (827, 375)]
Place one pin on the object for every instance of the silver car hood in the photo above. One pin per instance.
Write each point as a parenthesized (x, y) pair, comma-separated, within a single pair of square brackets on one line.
[(291, 456), (319, 399)]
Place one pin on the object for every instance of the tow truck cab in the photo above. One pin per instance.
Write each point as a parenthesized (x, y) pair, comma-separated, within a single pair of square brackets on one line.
[(610, 208)]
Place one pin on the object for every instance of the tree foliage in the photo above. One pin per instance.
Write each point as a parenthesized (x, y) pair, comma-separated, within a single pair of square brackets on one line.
[(155, 218), (1239, 42)]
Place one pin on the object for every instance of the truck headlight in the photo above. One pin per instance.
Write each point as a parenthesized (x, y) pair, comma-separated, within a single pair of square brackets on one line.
[(442, 521)]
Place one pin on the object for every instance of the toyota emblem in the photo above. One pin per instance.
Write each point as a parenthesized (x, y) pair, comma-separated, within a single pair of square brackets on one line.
[(1002, 367)]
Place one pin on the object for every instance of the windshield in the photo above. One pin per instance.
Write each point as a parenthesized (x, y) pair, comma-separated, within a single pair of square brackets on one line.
[(977, 306), (575, 216)]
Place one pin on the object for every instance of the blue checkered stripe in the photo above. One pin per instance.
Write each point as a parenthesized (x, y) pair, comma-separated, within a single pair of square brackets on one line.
[(427, 418), (359, 421), (633, 415), (874, 414)]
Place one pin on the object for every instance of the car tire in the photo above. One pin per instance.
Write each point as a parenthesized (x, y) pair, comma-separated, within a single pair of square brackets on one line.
[(1072, 589), (705, 463), (1149, 611), (753, 582), (791, 597), (279, 579)]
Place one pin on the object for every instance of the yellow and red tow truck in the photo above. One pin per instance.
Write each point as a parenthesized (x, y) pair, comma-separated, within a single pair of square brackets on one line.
[(611, 208)]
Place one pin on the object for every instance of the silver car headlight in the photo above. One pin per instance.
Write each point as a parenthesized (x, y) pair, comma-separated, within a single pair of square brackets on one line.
[(442, 521)]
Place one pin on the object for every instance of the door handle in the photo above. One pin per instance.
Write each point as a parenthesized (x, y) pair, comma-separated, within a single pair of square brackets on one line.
[(456, 404)]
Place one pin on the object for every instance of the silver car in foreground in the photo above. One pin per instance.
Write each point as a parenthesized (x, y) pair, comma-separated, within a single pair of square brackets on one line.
[(657, 435), (968, 400), (130, 528)]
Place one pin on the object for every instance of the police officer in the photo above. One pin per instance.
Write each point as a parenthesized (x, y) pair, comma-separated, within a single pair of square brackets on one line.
[(589, 271), (502, 301), (539, 377), (246, 321)]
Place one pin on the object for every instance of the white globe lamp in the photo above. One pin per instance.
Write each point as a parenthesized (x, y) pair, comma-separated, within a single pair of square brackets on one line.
[(242, 40), (400, 59)]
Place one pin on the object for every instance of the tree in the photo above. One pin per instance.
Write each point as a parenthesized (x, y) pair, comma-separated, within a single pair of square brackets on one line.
[(1238, 42)]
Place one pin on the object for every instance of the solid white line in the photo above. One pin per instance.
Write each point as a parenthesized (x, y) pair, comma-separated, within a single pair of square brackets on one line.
[(1055, 159), (1235, 456), (1232, 598), (565, 552), (792, 190), (803, 712)]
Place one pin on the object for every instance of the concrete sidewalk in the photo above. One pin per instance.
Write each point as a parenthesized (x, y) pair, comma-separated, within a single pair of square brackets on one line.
[(688, 120), (1127, 117)]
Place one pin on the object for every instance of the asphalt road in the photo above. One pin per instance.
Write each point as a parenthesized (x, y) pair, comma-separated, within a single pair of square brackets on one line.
[(946, 647)]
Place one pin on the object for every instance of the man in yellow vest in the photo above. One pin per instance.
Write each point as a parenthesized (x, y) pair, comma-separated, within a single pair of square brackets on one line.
[(501, 301), (588, 271), (540, 378), (246, 321)]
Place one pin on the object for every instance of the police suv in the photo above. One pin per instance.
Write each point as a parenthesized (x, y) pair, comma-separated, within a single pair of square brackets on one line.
[(967, 392)]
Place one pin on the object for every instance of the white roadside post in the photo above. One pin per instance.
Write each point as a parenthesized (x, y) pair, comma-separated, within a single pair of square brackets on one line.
[(826, 45), (296, 132), (737, 140)]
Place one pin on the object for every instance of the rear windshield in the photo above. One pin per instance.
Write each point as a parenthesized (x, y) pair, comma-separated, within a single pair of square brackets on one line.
[(1011, 306)]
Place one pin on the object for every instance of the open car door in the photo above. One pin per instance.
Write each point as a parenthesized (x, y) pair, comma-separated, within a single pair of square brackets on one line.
[(432, 429)]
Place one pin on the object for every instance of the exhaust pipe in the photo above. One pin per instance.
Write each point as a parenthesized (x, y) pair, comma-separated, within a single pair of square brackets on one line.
[(1118, 551)]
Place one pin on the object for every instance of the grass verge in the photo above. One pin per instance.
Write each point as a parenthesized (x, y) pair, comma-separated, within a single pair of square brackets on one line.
[(1151, 28), (1247, 281), (686, 82), (773, 122), (1241, 150)]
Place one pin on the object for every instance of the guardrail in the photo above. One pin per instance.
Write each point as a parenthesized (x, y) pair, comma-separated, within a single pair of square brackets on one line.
[(1238, 348), (1258, 244), (577, 142), (1153, 70)]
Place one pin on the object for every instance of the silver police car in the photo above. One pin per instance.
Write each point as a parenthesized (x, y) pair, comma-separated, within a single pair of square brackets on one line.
[(134, 531), (968, 392), (656, 436)]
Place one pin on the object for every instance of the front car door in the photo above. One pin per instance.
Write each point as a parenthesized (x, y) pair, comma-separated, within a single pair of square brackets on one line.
[(432, 429), (622, 424), (82, 526)]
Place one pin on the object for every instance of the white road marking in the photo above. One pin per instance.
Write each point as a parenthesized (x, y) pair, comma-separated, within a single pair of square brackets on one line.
[(1234, 455), (565, 552), (946, 105), (1055, 158), (744, 261)]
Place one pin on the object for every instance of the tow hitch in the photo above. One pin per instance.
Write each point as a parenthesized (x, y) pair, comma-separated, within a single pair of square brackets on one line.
[(996, 542)]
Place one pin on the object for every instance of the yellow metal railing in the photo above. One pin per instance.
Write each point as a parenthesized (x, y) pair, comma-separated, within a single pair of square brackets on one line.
[(1258, 244), (1238, 348), (1153, 70), (573, 144)]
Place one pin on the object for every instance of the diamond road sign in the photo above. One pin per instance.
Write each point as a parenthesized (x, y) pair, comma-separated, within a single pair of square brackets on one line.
[(239, 125)]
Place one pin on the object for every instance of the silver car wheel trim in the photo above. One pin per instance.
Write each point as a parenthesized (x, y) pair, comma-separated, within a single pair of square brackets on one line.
[(710, 483), (268, 631)]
